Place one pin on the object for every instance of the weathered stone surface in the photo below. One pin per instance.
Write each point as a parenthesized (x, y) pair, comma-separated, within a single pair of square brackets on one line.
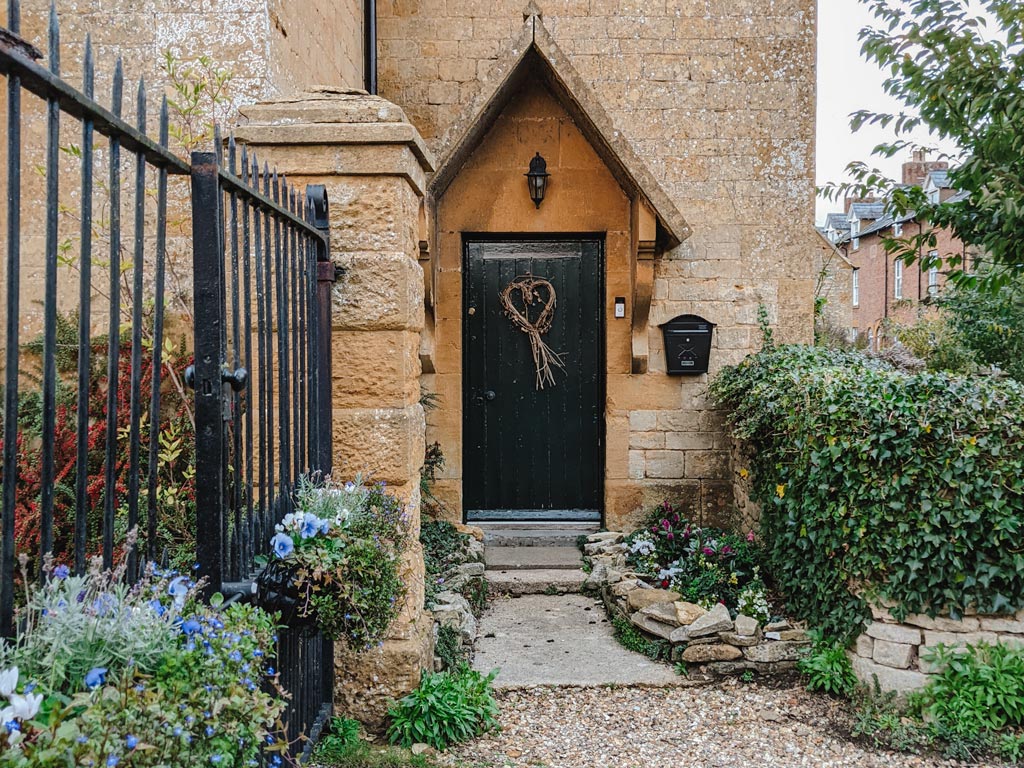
[(470, 530), (792, 634), (897, 655), (452, 610), (715, 621), (865, 646), (687, 613), (777, 626), (597, 578), (624, 586), (776, 650), (740, 641), (605, 537), (699, 654), (680, 635), (614, 576), (663, 612), (641, 598), (958, 638), (745, 625), (652, 625), (366, 683), (889, 679), (723, 668), (470, 569), (943, 623), (1002, 624), (894, 633)]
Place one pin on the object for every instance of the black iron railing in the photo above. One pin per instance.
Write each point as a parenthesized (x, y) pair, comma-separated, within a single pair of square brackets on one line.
[(261, 373)]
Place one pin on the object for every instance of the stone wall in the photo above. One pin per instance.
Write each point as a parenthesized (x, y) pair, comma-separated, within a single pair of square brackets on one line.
[(716, 98), (892, 651), (268, 50), (373, 166)]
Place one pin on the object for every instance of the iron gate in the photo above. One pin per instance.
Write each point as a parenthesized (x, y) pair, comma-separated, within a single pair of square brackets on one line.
[(261, 304)]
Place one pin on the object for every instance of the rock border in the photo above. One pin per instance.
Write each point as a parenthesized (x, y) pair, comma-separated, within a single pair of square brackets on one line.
[(712, 642)]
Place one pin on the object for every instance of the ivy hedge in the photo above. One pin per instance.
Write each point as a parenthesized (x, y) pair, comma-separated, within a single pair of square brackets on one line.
[(882, 483)]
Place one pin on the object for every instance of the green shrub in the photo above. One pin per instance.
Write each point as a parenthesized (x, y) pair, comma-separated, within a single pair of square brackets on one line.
[(828, 668), (978, 688), (449, 647), (908, 486), (446, 708), (338, 743)]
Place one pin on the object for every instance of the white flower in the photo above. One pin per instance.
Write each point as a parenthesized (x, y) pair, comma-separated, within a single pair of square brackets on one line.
[(6, 715), (8, 681), (25, 707)]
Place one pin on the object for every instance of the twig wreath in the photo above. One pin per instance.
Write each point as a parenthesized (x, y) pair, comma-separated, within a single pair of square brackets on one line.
[(529, 288)]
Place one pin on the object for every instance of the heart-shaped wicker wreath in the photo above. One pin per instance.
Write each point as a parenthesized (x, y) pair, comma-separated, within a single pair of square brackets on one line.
[(529, 289)]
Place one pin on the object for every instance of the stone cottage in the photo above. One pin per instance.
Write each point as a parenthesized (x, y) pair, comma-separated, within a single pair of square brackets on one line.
[(671, 142)]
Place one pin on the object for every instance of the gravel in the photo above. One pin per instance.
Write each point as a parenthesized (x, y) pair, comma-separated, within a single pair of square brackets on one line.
[(729, 724)]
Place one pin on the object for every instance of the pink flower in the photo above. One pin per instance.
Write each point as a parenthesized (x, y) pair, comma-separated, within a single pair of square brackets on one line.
[(750, 537), (670, 536), (708, 551)]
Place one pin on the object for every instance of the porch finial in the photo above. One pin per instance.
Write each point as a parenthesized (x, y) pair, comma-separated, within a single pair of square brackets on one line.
[(531, 10)]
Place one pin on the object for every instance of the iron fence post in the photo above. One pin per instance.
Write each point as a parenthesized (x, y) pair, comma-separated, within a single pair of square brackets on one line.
[(316, 194), (208, 293)]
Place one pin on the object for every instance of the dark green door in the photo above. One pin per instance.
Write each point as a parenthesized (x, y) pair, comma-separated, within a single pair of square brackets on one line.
[(532, 453)]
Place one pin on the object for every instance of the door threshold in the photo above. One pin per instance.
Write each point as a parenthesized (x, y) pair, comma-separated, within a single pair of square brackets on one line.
[(533, 515)]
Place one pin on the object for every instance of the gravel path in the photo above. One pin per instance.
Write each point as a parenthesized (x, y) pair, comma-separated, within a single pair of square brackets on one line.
[(728, 724)]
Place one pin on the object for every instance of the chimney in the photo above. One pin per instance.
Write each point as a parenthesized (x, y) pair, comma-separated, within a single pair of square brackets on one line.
[(851, 200), (916, 171)]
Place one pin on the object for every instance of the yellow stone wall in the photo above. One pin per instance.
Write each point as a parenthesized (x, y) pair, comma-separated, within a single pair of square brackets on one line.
[(717, 98)]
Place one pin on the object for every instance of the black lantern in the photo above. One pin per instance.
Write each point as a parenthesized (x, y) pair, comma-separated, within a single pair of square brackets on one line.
[(687, 345), (537, 179)]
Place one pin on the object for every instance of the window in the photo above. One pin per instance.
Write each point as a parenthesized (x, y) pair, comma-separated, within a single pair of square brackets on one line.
[(897, 280), (933, 281), (854, 232), (897, 229), (856, 287)]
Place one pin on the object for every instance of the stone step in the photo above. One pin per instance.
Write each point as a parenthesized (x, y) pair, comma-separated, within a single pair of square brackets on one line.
[(535, 534), (546, 581), (532, 558)]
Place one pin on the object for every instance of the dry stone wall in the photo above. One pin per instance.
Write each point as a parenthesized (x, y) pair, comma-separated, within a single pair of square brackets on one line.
[(892, 652)]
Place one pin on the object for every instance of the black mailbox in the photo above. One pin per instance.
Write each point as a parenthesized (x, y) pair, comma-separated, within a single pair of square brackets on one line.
[(687, 344)]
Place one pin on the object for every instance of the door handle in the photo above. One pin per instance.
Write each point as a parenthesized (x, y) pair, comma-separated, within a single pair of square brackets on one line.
[(489, 394)]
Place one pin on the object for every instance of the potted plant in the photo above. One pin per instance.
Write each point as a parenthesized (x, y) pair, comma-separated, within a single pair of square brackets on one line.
[(334, 561)]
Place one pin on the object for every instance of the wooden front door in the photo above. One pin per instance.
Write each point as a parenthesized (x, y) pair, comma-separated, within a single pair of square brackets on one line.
[(533, 449)]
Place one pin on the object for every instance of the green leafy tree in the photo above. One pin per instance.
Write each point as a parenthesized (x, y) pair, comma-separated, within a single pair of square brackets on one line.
[(956, 67)]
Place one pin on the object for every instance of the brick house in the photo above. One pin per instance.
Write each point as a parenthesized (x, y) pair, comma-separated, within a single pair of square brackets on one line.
[(886, 291)]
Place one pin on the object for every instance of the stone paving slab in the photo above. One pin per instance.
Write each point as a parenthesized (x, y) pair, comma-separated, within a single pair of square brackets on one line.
[(560, 640), (531, 558)]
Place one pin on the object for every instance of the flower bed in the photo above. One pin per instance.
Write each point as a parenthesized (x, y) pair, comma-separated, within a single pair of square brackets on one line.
[(679, 592), (106, 674)]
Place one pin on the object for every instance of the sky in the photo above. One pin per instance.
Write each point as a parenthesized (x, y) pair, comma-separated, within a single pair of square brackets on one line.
[(846, 83)]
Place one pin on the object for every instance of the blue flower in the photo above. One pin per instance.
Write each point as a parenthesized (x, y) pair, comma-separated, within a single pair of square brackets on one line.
[(157, 607), (310, 526), (178, 589), (235, 656), (95, 677), (12, 726), (210, 730), (190, 627), (113, 760), (131, 741), (61, 572), (325, 527), (215, 758), (282, 545)]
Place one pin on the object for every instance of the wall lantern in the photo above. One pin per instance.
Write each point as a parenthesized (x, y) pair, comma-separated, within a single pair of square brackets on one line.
[(687, 344), (537, 179)]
